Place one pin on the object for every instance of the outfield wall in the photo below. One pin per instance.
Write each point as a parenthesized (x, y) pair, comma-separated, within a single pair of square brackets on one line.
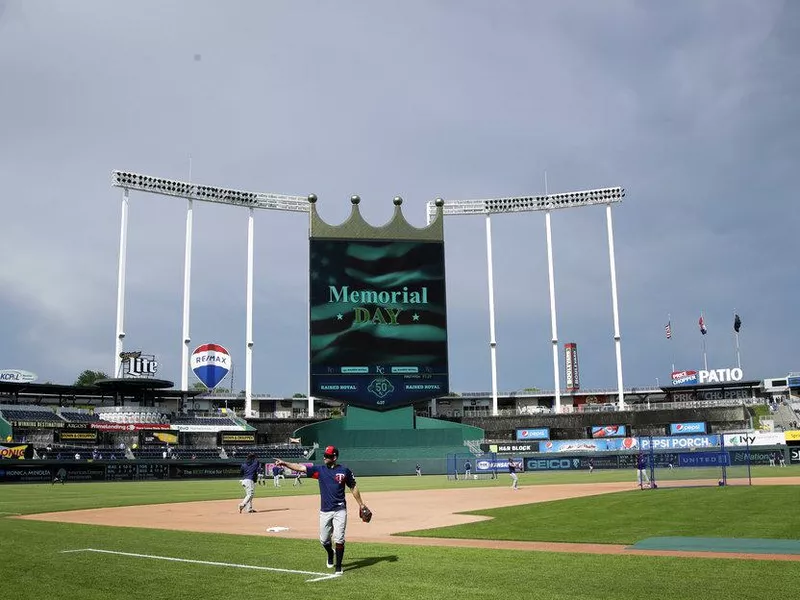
[(380, 463)]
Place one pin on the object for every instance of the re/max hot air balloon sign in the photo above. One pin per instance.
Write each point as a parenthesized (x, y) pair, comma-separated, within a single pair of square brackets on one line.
[(210, 363)]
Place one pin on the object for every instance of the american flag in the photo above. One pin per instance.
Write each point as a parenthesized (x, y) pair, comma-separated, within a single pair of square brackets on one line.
[(702, 325), (668, 330)]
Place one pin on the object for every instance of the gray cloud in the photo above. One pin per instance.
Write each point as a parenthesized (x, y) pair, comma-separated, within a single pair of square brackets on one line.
[(690, 106)]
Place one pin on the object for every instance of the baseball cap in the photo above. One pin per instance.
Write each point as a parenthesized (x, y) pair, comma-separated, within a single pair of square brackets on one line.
[(331, 451)]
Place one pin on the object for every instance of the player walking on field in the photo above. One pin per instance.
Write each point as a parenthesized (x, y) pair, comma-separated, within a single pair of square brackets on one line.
[(249, 477), (512, 470), (332, 478)]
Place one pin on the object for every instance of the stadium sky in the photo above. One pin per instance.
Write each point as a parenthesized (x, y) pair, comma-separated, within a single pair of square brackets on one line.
[(691, 106)]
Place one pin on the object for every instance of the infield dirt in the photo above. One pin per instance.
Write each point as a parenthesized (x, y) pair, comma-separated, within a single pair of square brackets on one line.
[(395, 512)]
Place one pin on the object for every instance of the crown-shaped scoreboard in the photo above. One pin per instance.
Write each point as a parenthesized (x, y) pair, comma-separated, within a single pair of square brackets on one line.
[(378, 311)]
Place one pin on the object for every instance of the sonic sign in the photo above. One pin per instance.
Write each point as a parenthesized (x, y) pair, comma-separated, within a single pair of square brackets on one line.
[(707, 376)]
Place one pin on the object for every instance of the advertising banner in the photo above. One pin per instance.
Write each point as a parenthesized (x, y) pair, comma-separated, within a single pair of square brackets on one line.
[(791, 436), (236, 438), (571, 367), (688, 428), (684, 378), (704, 459), (756, 438), (37, 424), (608, 431), (47, 472), (754, 457), (199, 428), (484, 465), (16, 451), (552, 464), (507, 448), (158, 437), (682, 442), (536, 433), (598, 445), (794, 456), (109, 426), (205, 471), (78, 435), (378, 317)]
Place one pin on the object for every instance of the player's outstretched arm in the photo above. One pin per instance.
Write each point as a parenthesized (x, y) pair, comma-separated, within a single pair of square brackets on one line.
[(290, 465), (357, 495)]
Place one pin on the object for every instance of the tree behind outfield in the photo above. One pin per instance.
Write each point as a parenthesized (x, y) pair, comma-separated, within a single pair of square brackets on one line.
[(88, 377)]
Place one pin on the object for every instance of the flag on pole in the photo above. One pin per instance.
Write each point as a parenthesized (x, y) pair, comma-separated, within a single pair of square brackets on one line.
[(737, 323), (702, 324), (668, 330)]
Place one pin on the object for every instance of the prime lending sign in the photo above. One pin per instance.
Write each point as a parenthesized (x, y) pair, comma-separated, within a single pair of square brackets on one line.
[(707, 376)]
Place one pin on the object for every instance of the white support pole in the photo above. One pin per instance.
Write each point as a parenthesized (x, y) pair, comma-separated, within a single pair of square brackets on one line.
[(248, 361), (187, 293), (123, 251), (553, 320), (492, 340), (615, 308)]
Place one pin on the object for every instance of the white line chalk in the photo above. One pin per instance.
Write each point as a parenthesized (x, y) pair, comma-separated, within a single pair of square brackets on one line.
[(320, 576)]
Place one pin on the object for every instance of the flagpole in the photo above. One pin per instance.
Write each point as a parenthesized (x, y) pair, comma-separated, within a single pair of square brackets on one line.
[(705, 357), (672, 350), (736, 337)]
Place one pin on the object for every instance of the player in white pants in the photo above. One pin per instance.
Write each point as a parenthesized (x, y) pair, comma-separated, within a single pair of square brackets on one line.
[(249, 476)]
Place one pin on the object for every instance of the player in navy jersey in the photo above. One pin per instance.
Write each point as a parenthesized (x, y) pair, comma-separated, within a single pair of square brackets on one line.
[(249, 469), (332, 478)]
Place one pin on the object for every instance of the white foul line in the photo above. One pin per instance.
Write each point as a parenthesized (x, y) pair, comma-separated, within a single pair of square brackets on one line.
[(322, 576)]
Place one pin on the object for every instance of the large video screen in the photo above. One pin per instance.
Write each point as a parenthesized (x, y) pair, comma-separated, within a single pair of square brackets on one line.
[(378, 319)]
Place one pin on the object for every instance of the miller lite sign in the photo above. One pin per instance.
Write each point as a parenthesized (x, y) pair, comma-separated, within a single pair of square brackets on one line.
[(136, 364)]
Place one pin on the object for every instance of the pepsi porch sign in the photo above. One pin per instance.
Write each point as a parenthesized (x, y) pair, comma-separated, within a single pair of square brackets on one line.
[(210, 363)]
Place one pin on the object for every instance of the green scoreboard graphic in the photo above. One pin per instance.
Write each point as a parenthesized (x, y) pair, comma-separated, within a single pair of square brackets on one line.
[(378, 319)]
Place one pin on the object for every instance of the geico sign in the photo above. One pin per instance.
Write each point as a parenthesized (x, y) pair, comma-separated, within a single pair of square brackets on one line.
[(720, 375), (546, 464)]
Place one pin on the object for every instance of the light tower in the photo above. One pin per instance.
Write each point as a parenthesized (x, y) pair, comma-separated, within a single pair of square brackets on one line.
[(546, 203), (190, 191)]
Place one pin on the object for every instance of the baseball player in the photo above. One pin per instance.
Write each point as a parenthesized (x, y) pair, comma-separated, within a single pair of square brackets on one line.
[(332, 478), (61, 476), (512, 470), (642, 476), (467, 470), (249, 469)]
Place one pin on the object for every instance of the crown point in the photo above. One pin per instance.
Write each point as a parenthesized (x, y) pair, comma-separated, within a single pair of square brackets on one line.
[(439, 202), (355, 199), (397, 200), (312, 198)]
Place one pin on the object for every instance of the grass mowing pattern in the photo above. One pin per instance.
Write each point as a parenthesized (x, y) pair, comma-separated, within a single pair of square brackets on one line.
[(39, 570), (34, 567), (628, 517)]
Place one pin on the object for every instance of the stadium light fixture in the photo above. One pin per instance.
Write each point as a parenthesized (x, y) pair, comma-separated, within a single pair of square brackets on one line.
[(207, 193), (544, 203), (204, 193)]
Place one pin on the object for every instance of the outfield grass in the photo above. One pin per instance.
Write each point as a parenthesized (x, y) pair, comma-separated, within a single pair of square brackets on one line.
[(34, 567), (625, 517)]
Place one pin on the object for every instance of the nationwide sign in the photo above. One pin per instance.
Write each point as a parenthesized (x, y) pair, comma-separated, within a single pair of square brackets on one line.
[(17, 376)]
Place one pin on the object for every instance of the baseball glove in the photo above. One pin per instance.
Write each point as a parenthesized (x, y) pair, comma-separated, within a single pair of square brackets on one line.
[(365, 514)]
